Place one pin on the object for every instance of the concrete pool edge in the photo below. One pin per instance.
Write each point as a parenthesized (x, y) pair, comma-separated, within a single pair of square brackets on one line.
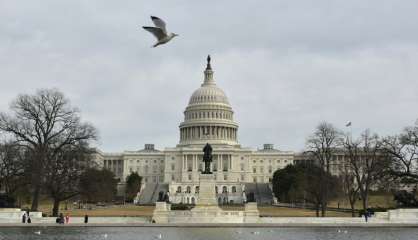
[(218, 225)]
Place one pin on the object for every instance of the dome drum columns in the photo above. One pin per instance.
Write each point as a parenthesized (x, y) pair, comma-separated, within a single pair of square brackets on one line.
[(208, 132)]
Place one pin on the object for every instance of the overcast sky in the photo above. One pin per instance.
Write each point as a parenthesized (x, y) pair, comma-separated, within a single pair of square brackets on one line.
[(284, 65)]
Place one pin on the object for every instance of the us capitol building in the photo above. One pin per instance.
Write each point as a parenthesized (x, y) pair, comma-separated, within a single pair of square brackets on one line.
[(208, 118)]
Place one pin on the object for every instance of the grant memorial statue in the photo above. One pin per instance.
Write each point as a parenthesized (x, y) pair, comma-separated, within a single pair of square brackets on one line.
[(207, 158)]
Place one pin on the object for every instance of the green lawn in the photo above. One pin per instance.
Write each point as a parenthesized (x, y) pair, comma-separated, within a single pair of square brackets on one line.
[(375, 201)]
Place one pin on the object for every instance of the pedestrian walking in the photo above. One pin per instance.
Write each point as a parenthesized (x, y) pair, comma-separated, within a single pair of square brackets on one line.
[(67, 219), (29, 220), (86, 218)]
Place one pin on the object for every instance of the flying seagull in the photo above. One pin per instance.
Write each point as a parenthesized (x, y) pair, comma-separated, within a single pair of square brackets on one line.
[(159, 31)]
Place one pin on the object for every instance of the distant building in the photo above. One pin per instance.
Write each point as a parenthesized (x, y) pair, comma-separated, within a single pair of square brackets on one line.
[(208, 118)]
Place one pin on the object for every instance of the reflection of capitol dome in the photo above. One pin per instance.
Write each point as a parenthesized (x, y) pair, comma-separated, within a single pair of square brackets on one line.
[(208, 118)]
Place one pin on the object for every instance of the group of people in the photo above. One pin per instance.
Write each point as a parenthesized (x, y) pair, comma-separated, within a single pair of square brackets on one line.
[(61, 219), (26, 217)]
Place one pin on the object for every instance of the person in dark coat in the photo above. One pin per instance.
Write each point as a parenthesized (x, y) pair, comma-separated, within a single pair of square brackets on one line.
[(29, 220), (86, 218), (61, 218), (24, 218)]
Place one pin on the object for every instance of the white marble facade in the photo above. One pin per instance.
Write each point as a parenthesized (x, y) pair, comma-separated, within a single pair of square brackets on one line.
[(208, 118)]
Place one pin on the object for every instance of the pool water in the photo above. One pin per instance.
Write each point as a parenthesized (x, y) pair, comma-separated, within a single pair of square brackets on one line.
[(181, 233)]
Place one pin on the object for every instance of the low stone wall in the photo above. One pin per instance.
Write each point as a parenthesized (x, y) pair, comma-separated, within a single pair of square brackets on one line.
[(313, 220), (409, 214), (103, 220), (205, 214), (213, 216), (92, 220), (13, 215)]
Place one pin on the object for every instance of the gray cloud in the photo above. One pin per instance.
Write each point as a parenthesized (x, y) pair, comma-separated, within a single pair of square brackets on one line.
[(285, 65)]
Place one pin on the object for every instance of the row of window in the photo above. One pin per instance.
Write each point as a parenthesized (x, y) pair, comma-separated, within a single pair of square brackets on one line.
[(131, 161), (146, 161), (270, 169), (198, 115), (196, 189), (225, 177), (270, 161), (146, 169)]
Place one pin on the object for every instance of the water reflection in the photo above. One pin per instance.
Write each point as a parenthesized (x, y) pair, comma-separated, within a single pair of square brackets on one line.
[(139, 233)]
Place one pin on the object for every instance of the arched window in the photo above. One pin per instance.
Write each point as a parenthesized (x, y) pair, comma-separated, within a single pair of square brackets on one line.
[(216, 189), (196, 189), (193, 201), (224, 189), (188, 189), (234, 189), (179, 189)]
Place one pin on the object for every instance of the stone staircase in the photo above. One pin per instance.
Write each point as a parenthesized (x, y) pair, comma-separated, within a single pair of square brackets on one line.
[(265, 195), (262, 192), (149, 194)]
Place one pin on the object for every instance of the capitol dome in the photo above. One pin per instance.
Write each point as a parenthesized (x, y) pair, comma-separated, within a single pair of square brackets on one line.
[(208, 94), (208, 118)]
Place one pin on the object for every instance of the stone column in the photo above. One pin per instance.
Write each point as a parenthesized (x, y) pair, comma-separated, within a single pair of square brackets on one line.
[(196, 164), (221, 162), (195, 132), (230, 162)]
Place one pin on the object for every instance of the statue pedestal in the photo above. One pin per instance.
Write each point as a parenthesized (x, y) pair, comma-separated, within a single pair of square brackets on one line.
[(207, 209), (207, 195)]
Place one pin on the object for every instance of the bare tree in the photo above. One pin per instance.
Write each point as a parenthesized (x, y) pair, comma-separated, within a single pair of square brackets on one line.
[(349, 186), (11, 168), (322, 145), (403, 151), (44, 124), (367, 162), (63, 173)]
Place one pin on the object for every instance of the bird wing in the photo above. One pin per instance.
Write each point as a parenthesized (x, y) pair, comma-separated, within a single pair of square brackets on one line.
[(157, 32), (158, 23)]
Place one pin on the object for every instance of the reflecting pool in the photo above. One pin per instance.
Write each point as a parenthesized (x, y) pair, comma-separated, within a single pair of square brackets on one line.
[(181, 233)]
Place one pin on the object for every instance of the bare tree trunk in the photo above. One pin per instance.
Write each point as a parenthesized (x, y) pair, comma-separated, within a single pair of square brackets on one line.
[(365, 199), (35, 198), (323, 209), (353, 214), (55, 208)]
